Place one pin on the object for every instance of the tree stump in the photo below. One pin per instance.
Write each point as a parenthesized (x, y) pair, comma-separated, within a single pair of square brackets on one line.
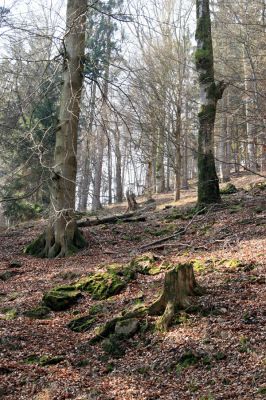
[(131, 201), (179, 285)]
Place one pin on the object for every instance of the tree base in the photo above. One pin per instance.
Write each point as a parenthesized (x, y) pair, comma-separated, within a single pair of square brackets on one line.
[(179, 285), (52, 245)]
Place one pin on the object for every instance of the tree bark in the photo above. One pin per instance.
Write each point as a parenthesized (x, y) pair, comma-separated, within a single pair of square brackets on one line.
[(179, 285), (210, 93), (86, 173), (62, 236)]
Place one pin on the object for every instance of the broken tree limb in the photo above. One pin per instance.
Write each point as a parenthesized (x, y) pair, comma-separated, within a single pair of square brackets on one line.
[(130, 217)]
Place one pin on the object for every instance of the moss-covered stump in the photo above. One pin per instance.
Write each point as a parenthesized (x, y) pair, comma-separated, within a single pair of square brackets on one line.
[(229, 188), (81, 324), (179, 285), (39, 312), (61, 298), (101, 285)]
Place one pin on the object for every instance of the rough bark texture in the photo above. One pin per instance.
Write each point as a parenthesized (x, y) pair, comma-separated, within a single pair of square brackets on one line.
[(179, 285), (210, 93), (131, 201), (86, 175), (62, 236)]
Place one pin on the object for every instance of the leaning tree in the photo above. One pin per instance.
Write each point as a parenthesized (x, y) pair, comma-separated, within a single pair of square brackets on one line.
[(210, 92), (62, 236)]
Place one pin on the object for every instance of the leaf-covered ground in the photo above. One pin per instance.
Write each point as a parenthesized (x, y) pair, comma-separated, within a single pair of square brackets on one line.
[(215, 351)]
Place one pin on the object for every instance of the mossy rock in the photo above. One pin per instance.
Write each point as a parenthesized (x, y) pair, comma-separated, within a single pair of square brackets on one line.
[(146, 264), (61, 298), (229, 188), (6, 275), (96, 309), (136, 311), (127, 327), (101, 285), (114, 346), (43, 360), (15, 264), (81, 324), (40, 312), (127, 271)]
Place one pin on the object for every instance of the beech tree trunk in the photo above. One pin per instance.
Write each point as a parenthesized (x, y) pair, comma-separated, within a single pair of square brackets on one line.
[(210, 93), (62, 236), (86, 173), (179, 285), (118, 167)]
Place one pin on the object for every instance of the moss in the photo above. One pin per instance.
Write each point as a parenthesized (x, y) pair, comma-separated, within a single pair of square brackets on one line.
[(114, 346), (101, 285), (186, 360), (127, 271), (36, 247), (146, 264), (15, 264), (232, 263), (40, 312), (235, 208), (43, 360), (203, 58), (81, 324), (199, 266), (4, 276), (229, 188), (208, 183), (9, 314), (96, 309), (61, 297), (262, 390)]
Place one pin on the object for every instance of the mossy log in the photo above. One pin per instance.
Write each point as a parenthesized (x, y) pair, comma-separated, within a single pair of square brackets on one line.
[(179, 285)]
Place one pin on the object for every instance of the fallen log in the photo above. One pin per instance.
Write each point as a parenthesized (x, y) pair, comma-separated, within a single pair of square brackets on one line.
[(130, 217)]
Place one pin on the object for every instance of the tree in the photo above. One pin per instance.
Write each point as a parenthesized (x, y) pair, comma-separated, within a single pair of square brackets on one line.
[(62, 236), (210, 93)]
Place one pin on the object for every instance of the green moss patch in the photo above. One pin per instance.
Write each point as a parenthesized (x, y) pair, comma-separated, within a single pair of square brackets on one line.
[(61, 298), (229, 188), (43, 360), (40, 312), (101, 285), (8, 314), (81, 324)]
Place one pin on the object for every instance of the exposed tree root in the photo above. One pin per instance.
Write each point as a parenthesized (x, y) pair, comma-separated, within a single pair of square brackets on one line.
[(56, 242)]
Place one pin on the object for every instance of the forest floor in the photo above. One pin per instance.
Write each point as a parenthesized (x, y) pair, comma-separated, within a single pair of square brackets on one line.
[(216, 351)]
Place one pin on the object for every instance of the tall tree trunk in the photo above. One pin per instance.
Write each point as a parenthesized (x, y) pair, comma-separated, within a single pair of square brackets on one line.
[(160, 178), (250, 115), (62, 236), (86, 173), (177, 135), (210, 93), (118, 167), (110, 175)]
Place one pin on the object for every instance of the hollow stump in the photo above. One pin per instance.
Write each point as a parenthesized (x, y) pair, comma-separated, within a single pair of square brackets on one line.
[(179, 286)]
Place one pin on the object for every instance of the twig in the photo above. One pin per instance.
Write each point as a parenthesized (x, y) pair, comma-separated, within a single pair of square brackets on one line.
[(179, 232)]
